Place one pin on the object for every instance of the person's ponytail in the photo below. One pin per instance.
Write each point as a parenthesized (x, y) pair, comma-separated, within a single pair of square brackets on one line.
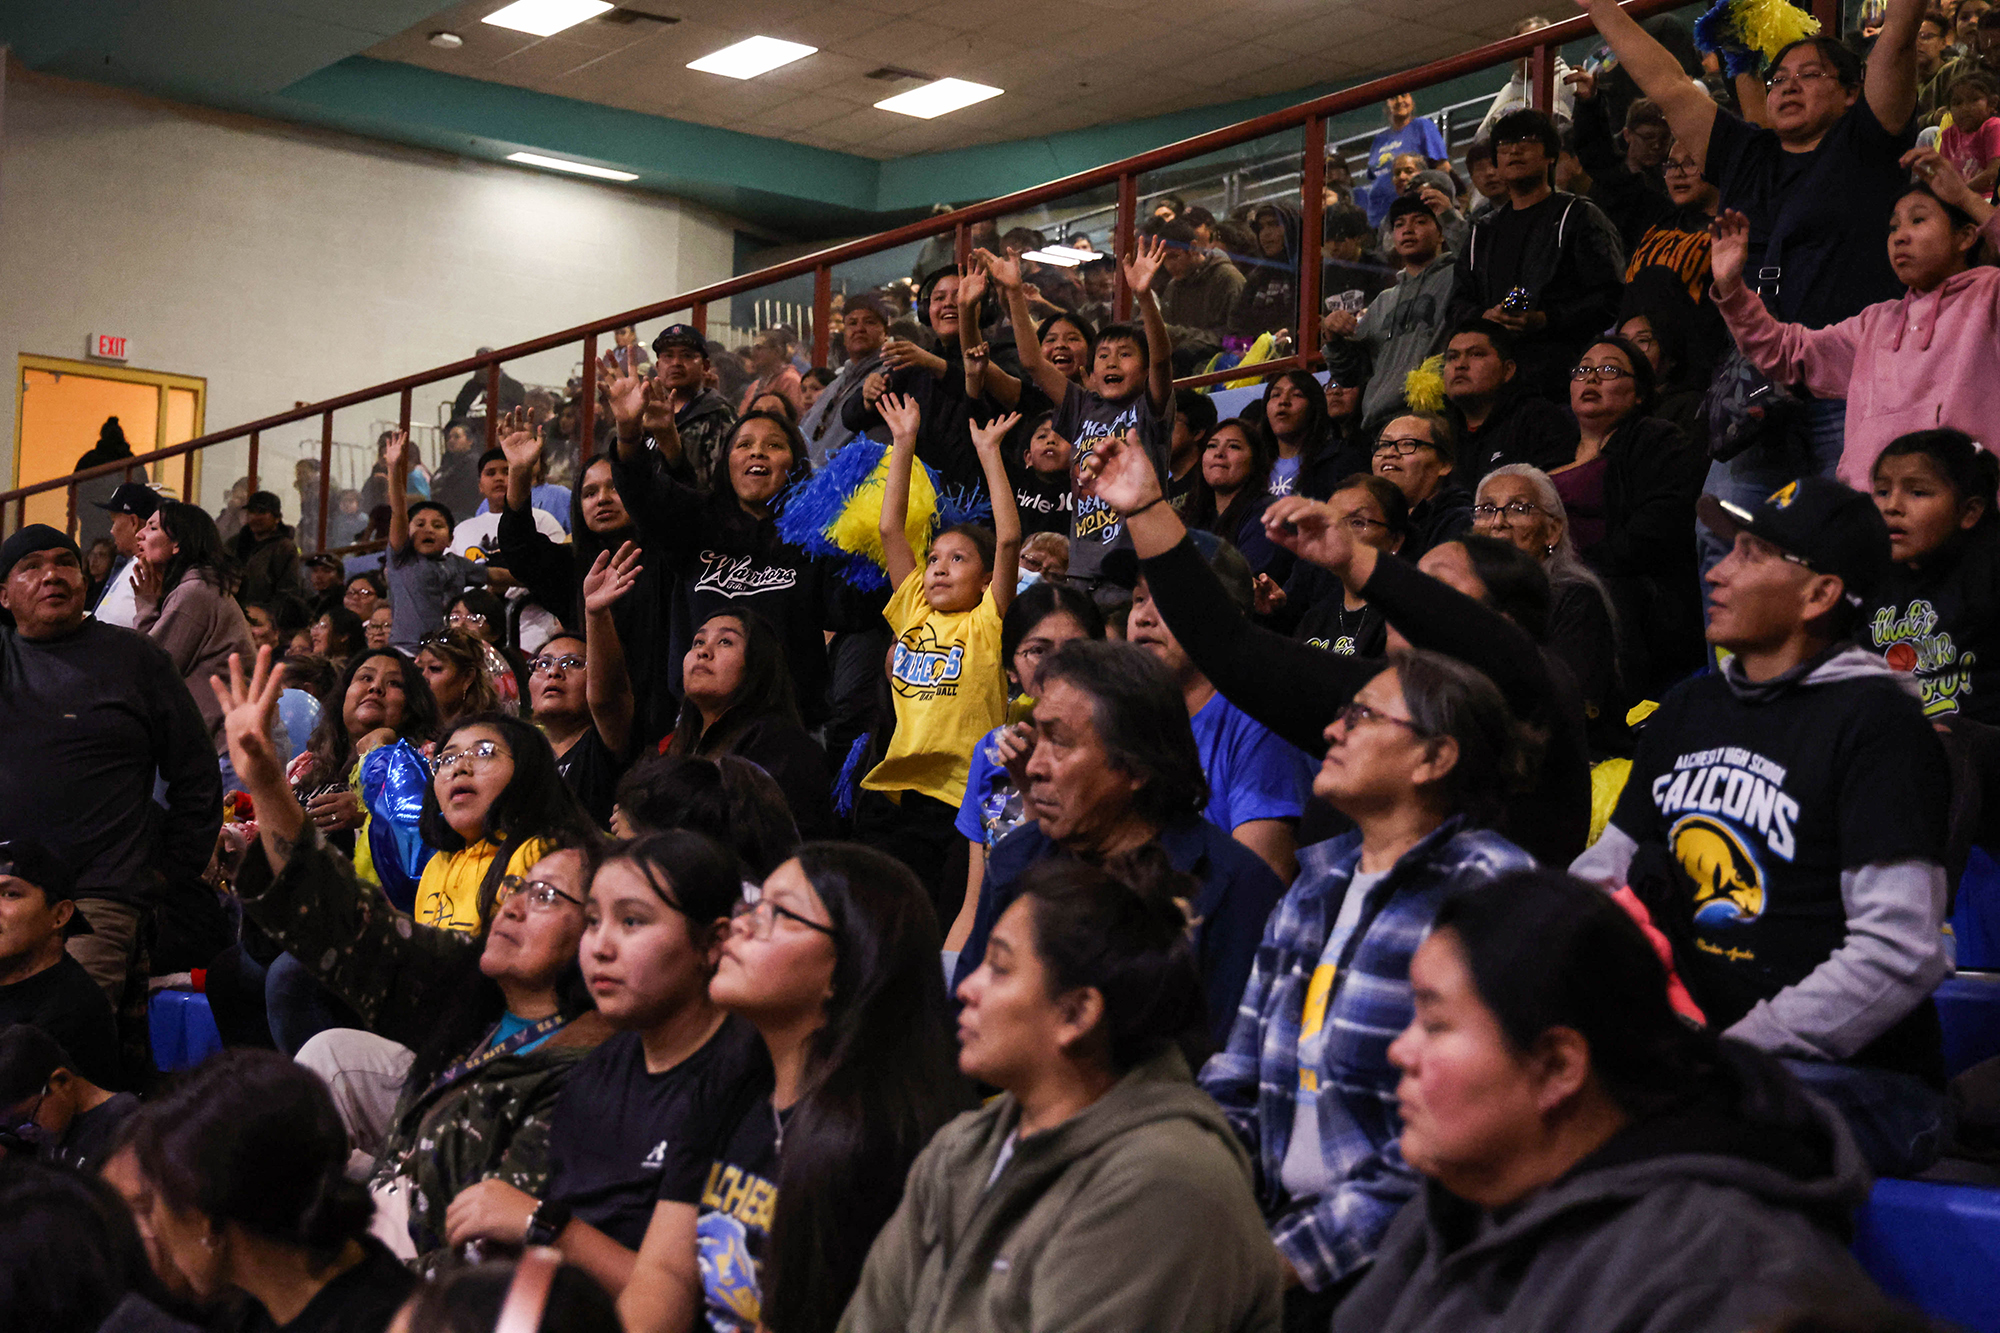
[(340, 1211)]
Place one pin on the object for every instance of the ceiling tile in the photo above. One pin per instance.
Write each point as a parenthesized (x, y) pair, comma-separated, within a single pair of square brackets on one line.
[(548, 59)]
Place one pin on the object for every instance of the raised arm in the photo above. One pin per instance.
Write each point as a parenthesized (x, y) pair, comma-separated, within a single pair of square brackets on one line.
[(397, 454), (1891, 83), (903, 417), (636, 403), (1007, 272), (1689, 111), (607, 684), (522, 444), (988, 440), (983, 379), (1140, 271)]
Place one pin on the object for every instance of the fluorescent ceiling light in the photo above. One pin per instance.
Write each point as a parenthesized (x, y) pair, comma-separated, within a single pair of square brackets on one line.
[(546, 17), (752, 56), (1061, 258), (937, 98), (578, 168), (1073, 254)]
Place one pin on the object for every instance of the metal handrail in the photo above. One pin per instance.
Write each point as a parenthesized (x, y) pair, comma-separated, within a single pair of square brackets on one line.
[(1539, 46)]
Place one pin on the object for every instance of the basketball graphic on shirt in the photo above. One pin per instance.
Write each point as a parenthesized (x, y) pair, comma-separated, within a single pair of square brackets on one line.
[(728, 1271), (923, 668), (1728, 882), (1901, 657)]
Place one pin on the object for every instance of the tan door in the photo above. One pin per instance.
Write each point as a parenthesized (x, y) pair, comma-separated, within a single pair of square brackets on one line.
[(63, 405)]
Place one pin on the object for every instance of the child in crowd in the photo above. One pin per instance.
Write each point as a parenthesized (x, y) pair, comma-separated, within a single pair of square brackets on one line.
[(1971, 143), (945, 672), (492, 807), (422, 571), (1042, 494)]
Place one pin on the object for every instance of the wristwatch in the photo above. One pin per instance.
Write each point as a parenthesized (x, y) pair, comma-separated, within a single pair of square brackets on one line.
[(547, 1222)]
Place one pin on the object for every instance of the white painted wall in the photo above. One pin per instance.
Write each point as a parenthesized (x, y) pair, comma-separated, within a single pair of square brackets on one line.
[(285, 264)]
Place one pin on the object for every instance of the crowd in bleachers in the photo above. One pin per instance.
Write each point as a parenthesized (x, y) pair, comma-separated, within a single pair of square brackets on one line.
[(977, 836)]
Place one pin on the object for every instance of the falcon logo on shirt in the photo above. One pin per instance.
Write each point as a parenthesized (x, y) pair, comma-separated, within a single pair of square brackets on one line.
[(1728, 883)]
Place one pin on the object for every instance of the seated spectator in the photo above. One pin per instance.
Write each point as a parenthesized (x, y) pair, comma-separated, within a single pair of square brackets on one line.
[(1407, 132), (462, 681), (1044, 555), (1201, 291), (571, 1300), (478, 537), (74, 1258), (1436, 191), (1043, 617), (1324, 612), (580, 695), (1269, 301), (1194, 419), (1629, 496), (324, 576), (1405, 325), (421, 570), (1923, 360), (1805, 915), (266, 559), (1675, 335), (1971, 143), (1475, 599), (1500, 419), (1415, 454), (336, 635), (1257, 784), (74, 1121), (1933, 49), (1115, 765), (246, 1161), (1078, 1016), (1306, 457), (364, 592), (771, 365), (1520, 504), (1517, 95), (98, 563), (40, 984), (1234, 491), (864, 327), (260, 616), (671, 1071), (184, 583), (455, 484), (812, 383), (730, 799), (1545, 265), (834, 960), (738, 700), (380, 626), (1608, 1157)]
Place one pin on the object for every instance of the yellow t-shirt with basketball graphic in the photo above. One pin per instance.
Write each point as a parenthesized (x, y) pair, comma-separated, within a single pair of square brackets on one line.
[(945, 674), (448, 893)]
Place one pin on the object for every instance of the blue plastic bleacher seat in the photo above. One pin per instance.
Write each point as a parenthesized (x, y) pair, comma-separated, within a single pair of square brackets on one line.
[(1975, 916), (183, 1030), (1937, 1247)]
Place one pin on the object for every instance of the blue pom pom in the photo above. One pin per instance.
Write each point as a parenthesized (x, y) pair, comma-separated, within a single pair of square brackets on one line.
[(848, 784)]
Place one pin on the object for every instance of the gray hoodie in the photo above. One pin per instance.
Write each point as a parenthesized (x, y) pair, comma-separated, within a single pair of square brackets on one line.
[(1135, 1215), (1401, 327), (1711, 1220)]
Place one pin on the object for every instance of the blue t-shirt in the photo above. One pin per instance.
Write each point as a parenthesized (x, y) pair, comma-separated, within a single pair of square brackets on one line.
[(1419, 136), (1285, 476), (991, 807), (1251, 773), (555, 499)]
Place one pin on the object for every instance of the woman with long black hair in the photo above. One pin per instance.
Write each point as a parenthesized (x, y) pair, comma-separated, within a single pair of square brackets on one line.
[(1306, 456), (469, 1035), (184, 583), (834, 961)]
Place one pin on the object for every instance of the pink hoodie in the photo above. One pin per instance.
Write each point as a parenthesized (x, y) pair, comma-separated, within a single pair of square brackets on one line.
[(1929, 359)]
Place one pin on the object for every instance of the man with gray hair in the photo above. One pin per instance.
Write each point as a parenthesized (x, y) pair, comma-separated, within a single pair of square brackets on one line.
[(864, 327)]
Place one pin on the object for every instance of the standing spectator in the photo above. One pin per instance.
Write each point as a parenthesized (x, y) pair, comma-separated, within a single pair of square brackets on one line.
[(702, 417), (323, 590), (111, 446), (230, 521), (864, 327), (473, 391), (1516, 94), (41, 985), (184, 583), (1933, 47), (1625, 178), (1406, 324), (1546, 265), (1407, 132), (1785, 824), (628, 351), (1202, 289), (1269, 301), (103, 710), (1500, 421), (455, 484), (422, 571), (266, 556), (305, 480), (774, 372), (1817, 185), (129, 506)]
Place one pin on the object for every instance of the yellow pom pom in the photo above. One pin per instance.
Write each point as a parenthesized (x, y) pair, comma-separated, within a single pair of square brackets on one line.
[(1769, 26), (856, 530), (1423, 388)]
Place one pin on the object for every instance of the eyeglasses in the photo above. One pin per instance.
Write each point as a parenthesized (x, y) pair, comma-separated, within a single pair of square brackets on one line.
[(1486, 513), (1680, 166), (25, 1125), (1360, 522), (1354, 713), (549, 666), (1403, 447), (763, 914), (465, 618), (541, 894), (1782, 80), (1606, 371), (477, 756)]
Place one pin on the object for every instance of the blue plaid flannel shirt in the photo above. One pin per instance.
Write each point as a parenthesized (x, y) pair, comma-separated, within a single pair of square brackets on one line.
[(1256, 1077)]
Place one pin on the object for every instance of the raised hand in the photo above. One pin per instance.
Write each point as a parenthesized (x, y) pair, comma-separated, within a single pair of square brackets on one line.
[(1006, 269), (397, 454), (519, 439), (1120, 473), (145, 580), (989, 437), (248, 709), (1584, 82), (1945, 180), (902, 415), (1145, 263), (1729, 248), (1310, 530), (1431, 197), (623, 390), (611, 576), (972, 284), (1268, 598), (657, 416)]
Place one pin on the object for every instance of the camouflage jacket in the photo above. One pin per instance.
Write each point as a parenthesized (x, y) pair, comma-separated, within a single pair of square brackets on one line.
[(490, 1124), (704, 426)]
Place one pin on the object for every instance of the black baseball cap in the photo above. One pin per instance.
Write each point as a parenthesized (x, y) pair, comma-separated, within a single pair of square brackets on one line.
[(1409, 203), (132, 498), (263, 502), (326, 561), (1825, 526), (680, 335), (30, 860)]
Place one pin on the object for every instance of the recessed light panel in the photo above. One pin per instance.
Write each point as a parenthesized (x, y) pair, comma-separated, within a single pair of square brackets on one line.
[(575, 168), (936, 99), (544, 18), (752, 56)]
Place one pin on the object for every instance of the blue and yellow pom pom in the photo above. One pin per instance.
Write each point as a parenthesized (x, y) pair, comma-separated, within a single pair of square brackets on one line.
[(1747, 33), (838, 511)]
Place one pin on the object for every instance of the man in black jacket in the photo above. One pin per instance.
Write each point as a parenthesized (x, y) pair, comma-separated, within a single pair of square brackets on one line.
[(265, 550), (1498, 420), (1546, 265), (90, 713)]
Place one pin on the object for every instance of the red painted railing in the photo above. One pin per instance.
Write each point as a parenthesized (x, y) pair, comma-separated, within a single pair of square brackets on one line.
[(1539, 46)]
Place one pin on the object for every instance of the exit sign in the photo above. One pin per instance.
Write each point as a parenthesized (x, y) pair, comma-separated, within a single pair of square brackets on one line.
[(109, 347)]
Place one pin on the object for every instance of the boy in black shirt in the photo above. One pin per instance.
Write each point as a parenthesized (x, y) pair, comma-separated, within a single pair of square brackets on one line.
[(40, 984), (1784, 824), (1042, 485), (49, 1108)]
